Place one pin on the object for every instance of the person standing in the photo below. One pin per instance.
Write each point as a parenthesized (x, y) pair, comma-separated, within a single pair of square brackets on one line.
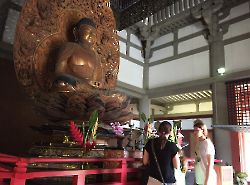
[(166, 153), (204, 156)]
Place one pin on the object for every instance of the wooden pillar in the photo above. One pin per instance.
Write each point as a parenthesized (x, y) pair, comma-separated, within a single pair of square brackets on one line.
[(144, 106), (219, 97)]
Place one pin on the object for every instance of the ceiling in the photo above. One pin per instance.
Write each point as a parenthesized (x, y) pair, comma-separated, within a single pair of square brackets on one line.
[(199, 96), (127, 14)]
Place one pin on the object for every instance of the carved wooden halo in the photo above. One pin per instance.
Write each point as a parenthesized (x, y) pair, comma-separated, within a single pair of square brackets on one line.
[(45, 24)]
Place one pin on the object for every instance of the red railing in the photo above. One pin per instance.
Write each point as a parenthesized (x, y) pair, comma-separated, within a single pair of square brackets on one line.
[(19, 173)]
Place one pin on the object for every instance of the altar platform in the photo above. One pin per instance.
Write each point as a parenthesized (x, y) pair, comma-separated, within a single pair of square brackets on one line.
[(18, 170)]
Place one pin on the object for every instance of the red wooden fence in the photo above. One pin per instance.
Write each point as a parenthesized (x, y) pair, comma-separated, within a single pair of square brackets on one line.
[(19, 173)]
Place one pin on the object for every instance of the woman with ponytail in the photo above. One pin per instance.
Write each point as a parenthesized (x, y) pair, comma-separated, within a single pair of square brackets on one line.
[(204, 156), (166, 153)]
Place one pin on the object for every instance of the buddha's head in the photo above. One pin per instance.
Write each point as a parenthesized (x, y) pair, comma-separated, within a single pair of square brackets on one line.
[(85, 31)]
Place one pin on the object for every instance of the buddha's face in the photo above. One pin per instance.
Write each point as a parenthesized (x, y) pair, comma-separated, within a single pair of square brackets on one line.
[(87, 33)]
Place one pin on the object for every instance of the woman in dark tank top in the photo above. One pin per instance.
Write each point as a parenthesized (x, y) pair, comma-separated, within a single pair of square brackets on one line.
[(166, 153)]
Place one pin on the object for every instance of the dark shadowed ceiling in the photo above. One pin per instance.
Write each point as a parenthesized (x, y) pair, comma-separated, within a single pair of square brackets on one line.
[(129, 12)]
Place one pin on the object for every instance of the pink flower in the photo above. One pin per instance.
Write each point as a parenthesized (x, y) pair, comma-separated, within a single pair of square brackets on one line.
[(117, 128)]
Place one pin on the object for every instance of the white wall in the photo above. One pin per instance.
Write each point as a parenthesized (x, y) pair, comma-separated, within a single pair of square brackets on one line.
[(191, 44), (122, 34), (184, 108), (191, 107), (158, 110), (134, 39), (136, 54), (206, 106), (162, 53), (193, 28), (237, 56), (181, 70), (187, 124), (237, 11), (238, 28), (130, 73), (122, 47), (163, 40)]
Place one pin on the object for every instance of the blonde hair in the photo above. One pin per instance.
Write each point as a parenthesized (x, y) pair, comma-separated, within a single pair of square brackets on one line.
[(199, 124)]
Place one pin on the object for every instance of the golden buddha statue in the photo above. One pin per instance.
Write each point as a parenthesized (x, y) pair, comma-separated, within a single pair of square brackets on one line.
[(77, 62), (48, 60)]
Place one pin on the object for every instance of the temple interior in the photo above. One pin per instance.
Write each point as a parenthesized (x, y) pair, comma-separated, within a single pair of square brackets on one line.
[(174, 60)]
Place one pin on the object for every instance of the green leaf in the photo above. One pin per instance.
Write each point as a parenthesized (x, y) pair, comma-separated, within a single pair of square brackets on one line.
[(171, 139), (177, 124), (92, 121), (151, 119), (175, 134), (143, 117), (93, 118), (242, 175)]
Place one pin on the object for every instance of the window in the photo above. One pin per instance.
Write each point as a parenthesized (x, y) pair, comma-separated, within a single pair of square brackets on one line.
[(238, 96)]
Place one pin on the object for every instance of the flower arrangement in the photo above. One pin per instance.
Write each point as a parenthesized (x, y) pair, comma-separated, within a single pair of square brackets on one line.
[(117, 128), (241, 178), (88, 140), (149, 130), (176, 137), (175, 131)]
